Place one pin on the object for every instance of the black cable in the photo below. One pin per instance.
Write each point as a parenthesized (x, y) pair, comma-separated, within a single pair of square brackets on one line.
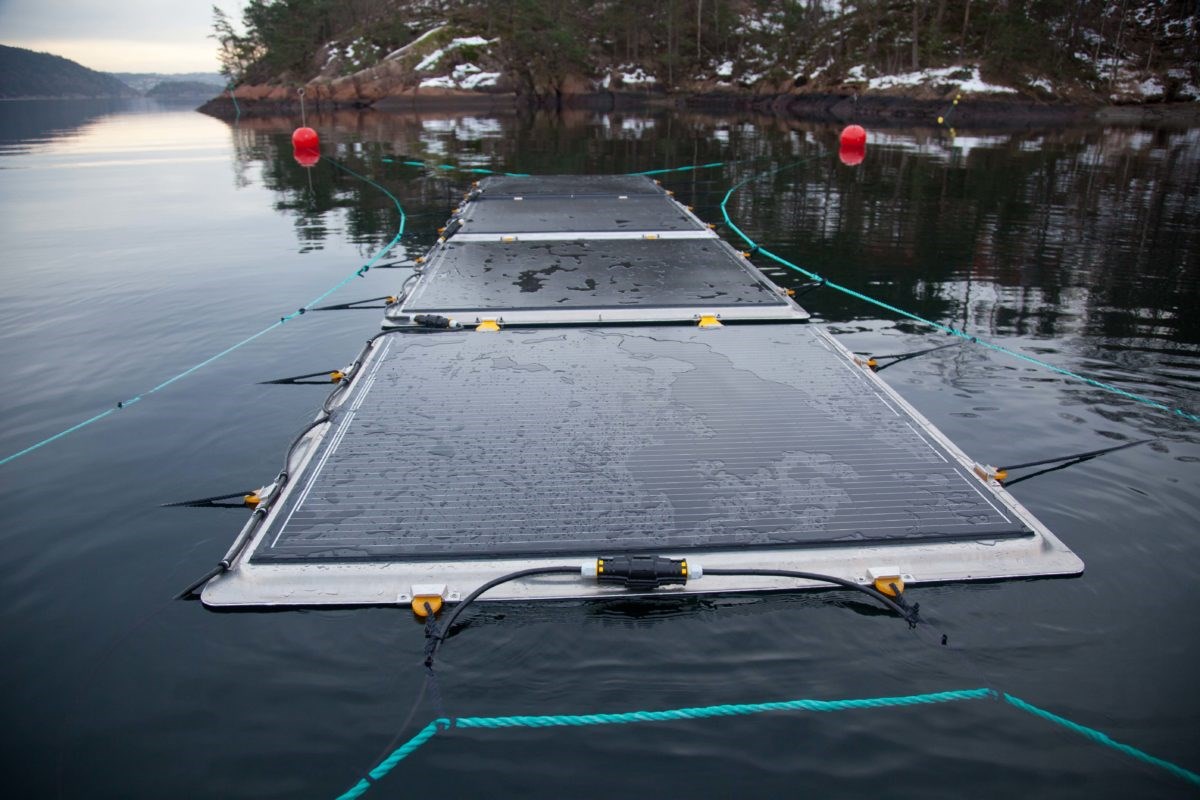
[(287, 460), (404, 726), (1077, 456), (473, 596), (193, 587), (299, 380), (904, 613), (898, 357), (211, 502)]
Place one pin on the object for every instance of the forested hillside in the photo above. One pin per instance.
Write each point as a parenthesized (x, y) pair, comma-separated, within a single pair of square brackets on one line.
[(1089, 50), (24, 73)]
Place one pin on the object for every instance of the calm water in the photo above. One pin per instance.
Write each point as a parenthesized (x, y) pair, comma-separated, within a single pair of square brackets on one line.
[(140, 241)]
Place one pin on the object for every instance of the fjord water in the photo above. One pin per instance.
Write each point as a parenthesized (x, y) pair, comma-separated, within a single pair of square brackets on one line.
[(139, 241)]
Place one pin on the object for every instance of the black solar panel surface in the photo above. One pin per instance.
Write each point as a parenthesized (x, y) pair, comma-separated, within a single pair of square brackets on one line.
[(568, 185), (594, 441), (605, 213), (497, 276)]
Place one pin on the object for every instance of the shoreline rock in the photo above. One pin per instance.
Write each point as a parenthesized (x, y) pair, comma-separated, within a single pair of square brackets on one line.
[(262, 100)]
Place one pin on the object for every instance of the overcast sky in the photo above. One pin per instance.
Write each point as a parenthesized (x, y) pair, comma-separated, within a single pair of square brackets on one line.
[(118, 35)]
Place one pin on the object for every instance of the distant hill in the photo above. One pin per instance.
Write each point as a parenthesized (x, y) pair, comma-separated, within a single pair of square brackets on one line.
[(146, 81), (25, 73), (183, 90)]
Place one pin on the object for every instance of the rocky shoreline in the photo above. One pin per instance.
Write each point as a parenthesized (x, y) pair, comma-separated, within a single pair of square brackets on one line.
[(886, 109)]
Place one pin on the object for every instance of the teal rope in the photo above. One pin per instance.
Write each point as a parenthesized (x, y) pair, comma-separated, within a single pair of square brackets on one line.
[(1108, 387), (744, 709), (237, 109), (704, 712), (388, 764), (688, 168), (1102, 738), (453, 168), (358, 273), (482, 171)]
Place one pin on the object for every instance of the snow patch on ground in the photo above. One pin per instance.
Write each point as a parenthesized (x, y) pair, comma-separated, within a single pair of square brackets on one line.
[(1042, 83), (402, 50), (763, 24), (480, 80), (812, 76), (724, 69), (464, 76), (633, 75), (429, 61), (950, 76), (1150, 88)]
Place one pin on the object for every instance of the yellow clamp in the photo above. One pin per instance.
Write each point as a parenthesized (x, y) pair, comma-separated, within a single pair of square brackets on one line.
[(888, 580), (488, 326), (336, 376), (709, 321), (891, 586), (425, 604), (986, 473), (866, 363), (252, 500), (419, 259)]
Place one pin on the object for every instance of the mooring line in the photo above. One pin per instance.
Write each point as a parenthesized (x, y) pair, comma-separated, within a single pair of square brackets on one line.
[(454, 168), (743, 709), (236, 108), (358, 273), (482, 171), (1108, 387), (688, 168)]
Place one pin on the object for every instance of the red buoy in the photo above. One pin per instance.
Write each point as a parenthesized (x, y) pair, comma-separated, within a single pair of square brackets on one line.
[(853, 145), (852, 136), (305, 139)]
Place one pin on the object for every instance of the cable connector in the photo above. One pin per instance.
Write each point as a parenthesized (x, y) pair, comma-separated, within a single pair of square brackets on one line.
[(435, 321), (639, 572)]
